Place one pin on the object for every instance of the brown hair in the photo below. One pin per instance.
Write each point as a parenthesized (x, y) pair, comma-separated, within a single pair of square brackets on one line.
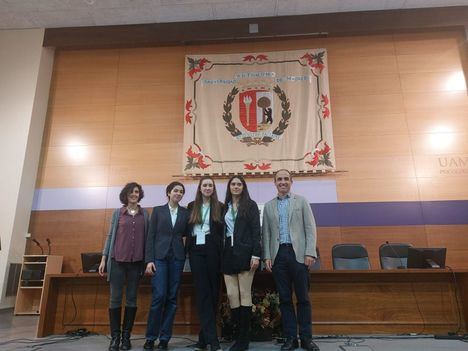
[(215, 208), (244, 197), (127, 189)]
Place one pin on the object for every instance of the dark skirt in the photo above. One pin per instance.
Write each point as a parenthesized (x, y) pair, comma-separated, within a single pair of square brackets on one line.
[(235, 259)]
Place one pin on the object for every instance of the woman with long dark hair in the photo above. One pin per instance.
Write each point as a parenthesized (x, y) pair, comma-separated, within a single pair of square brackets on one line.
[(241, 256), (205, 240), (124, 254), (165, 258)]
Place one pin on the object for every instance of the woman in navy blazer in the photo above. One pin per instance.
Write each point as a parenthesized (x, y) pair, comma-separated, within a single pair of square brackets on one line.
[(165, 258), (205, 240), (241, 256)]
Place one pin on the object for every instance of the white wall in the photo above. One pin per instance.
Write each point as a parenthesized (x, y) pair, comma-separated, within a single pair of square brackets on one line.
[(25, 73)]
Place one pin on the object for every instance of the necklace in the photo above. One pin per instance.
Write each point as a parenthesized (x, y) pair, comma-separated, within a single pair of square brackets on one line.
[(132, 211)]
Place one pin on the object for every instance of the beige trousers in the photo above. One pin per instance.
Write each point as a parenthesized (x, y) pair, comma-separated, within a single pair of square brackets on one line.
[(239, 288)]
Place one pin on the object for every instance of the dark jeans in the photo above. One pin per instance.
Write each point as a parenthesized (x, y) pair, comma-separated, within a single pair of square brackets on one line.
[(165, 286), (205, 265), (287, 273), (124, 271)]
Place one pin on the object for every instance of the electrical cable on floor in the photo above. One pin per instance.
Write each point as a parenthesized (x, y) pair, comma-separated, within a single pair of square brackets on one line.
[(36, 345), (459, 326)]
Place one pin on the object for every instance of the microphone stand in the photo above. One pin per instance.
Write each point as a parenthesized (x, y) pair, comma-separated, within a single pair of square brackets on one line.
[(401, 266), (38, 244), (48, 246)]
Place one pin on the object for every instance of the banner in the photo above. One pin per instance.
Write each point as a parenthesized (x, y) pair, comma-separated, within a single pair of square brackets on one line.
[(256, 113)]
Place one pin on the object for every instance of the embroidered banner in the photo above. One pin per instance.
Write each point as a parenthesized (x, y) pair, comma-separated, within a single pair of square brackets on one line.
[(259, 112)]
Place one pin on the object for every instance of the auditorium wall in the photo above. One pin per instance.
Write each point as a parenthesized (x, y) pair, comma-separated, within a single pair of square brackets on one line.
[(400, 120)]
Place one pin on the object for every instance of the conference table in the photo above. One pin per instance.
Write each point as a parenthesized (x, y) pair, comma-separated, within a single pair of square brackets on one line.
[(422, 301)]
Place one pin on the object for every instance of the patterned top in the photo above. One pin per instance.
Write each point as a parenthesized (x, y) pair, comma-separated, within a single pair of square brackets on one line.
[(130, 239), (283, 212)]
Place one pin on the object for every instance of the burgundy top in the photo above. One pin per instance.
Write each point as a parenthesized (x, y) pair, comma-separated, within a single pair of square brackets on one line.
[(130, 240)]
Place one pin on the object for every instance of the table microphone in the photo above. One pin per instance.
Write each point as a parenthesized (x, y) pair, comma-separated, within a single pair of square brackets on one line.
[(401, 266), (38, 244)]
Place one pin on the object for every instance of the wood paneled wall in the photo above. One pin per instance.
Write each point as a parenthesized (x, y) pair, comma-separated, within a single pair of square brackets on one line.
[(73, 232), (399, 105)]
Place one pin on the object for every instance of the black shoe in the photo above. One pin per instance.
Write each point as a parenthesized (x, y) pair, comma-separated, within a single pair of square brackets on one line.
[(290, 344), (163, 344), (215, 347), (309, 345), (149, 345)]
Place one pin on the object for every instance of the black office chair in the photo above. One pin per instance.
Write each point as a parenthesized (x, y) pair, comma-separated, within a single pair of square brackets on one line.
[(350, 256), (394, 256), (317, 264)]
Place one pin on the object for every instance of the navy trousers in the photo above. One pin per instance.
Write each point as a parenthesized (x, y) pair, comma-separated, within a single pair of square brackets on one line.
[(289, 273), (165, 285)]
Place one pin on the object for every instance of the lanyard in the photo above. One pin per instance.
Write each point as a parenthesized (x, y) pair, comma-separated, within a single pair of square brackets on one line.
[(204, 214), (233, 213)]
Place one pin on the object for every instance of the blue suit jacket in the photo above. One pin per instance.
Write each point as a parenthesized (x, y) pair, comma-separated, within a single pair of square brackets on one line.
[(162, 235)]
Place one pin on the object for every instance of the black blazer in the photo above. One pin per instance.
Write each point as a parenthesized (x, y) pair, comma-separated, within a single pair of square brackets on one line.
[(162, 235), (246, 241), (214, 241)]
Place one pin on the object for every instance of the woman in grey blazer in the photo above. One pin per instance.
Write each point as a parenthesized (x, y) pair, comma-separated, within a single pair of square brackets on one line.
[(124, 253)]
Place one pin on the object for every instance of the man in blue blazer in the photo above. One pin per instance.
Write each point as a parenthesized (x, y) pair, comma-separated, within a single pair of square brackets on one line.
[(289, 250)]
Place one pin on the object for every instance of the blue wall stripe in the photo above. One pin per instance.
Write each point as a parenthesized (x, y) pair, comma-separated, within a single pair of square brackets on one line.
[(353, 214), (320, 193)]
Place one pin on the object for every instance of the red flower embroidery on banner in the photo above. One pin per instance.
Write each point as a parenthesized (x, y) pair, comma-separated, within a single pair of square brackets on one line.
[(197, 159), (315, 61), (254, 165), (324, 99), (325, 109), (191, 153), (188, 113), (202, 163), (251, 58), (196, 65), (264, 166), (250, 166), (320, 157)]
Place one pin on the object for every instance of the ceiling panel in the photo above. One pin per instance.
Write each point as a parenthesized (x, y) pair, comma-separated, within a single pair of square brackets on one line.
[(69, 13)]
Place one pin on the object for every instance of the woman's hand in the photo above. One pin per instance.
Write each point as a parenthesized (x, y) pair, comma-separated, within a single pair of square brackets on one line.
[(102, 266), (254, 262), (150, 268)]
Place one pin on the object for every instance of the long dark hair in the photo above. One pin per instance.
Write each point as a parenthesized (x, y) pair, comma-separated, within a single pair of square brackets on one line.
[(215, 208), (127, 189), (244, 196)]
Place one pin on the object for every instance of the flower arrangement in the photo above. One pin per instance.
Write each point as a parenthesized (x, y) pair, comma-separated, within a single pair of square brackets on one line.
[(266, 317), (265, 313)]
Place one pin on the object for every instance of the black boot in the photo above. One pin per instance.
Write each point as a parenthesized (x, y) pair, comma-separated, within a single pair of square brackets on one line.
[(242, 342), (127, 325), (114, 319), (235, 318)]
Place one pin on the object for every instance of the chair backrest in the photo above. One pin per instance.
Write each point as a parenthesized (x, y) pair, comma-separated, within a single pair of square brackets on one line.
[(394, 255), (350, 256), (316, 266)]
